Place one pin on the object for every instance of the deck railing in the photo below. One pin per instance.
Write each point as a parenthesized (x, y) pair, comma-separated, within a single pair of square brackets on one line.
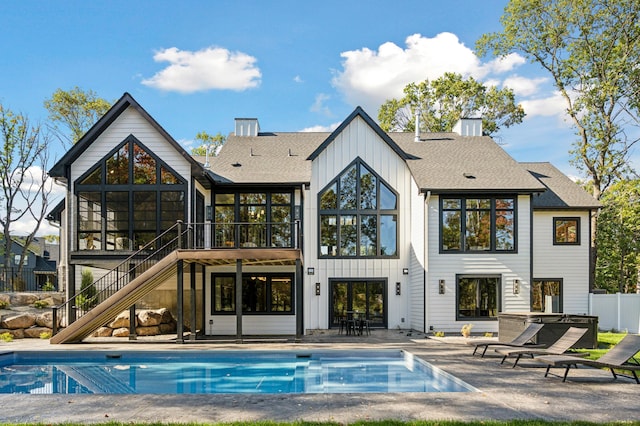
[(179, 236)]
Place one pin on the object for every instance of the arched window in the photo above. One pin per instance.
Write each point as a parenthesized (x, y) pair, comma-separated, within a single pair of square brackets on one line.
[(127, 199), (358, 215)]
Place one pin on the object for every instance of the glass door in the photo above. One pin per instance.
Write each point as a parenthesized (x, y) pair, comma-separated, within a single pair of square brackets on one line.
[(366, 298)]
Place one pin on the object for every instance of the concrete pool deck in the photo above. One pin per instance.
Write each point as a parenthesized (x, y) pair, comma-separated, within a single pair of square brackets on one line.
[(505, 393)]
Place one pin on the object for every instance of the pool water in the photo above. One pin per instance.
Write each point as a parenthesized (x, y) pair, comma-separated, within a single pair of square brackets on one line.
[(208, 372)]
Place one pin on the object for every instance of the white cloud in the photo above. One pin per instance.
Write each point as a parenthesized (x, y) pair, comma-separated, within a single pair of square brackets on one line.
[(554, 105), (370, 77), (319, 128), (298, 79), (206, 69), (319, 104), (504, 64), (523, 86)]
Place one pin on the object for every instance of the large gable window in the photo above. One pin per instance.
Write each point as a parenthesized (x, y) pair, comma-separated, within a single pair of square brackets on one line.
[(358, 215), (478, 224), (127, 199)]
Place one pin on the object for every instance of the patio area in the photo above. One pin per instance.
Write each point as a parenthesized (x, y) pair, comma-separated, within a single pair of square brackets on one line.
[(505, 393)]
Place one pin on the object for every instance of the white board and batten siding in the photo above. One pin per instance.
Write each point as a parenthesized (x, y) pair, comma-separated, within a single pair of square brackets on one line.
[(357, 140), (567, 262), (130, 122), (509, 266), (417, 259)]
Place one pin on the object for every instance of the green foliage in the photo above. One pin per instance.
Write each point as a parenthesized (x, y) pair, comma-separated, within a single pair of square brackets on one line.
[(6, 337), (3, 304), (86, 299), (212, 143), (48, 286), (442, 102), (40, 304), (618, 238), (45, 335), (75, 109), (591, 49)]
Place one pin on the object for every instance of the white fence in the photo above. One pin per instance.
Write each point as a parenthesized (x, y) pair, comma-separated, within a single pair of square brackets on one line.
[(620, 312)]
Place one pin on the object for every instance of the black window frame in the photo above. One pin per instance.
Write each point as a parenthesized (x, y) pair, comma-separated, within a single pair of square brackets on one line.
[(535, 281), (269, 277), (498, 296), (556, 220), (359, 212), (130, 188), (463, 222)]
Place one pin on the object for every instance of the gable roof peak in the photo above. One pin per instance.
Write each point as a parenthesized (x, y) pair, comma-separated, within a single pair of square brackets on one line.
[(359, 112)]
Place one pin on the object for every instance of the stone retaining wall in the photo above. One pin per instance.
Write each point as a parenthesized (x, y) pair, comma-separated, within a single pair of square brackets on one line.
[(23, 319)]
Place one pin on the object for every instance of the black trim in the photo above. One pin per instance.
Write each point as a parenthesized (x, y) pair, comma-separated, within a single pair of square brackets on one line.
[(578, 230), (560, 303), (359, 112), (269, 276), (498, 296)]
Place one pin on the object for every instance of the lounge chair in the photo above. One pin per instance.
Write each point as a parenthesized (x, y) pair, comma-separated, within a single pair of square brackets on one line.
[(562, 345), (620, 357), (524, 339)]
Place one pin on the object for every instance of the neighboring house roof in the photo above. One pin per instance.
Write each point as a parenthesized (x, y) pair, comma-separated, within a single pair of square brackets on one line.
[(562, 192), (448, 162), (61, 168), (44, 266)]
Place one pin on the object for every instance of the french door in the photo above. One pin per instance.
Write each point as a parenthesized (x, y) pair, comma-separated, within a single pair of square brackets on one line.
[(366, 298)]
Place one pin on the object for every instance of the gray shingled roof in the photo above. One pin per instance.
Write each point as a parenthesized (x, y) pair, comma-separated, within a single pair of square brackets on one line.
[(561, 192), (448, 162), (267, 158)]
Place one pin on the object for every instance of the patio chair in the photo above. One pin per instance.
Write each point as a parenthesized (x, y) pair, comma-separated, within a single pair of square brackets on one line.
[(562, 345), (620, 357), (523, 339)]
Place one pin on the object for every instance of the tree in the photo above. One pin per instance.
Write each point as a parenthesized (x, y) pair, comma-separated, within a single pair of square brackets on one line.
[(591, 49), (24, 180), (618, 264), (442, 102), (208, 143), (77, 110)]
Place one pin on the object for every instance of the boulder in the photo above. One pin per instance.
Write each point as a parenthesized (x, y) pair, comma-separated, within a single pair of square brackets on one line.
[(5, 298), (49, 301), (24, 320), (35, 332), (23, 299), (45, 319), (121, 332), (148, 318), (167, 318), (168, 328), (121, 321), (104, 332), (153, 330), (17, 333)]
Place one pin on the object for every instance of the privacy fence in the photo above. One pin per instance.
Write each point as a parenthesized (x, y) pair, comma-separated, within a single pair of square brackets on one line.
[(619, 312)]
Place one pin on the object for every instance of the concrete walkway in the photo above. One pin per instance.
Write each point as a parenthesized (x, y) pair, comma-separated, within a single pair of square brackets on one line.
[(505, 393)]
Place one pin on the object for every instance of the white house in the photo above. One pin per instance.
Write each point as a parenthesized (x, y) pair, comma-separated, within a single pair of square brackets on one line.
[(282, 233)]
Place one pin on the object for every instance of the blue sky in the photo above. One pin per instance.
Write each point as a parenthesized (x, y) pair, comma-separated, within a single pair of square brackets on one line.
[(295, 65)]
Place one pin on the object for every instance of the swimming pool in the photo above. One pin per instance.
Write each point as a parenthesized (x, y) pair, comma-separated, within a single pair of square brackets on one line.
[(210, 372)]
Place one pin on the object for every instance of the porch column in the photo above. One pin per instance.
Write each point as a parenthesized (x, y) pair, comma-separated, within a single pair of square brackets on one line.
[(238, 300), (192, 296), (299, 301), (179, 301)]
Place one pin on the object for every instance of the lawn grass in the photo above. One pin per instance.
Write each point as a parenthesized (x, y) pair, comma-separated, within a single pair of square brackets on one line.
[(606, 340), (364, 423)]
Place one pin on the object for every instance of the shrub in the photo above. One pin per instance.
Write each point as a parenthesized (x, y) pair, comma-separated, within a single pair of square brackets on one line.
[(88, 291), (466, 330), (40, 304), (45, 335), (439, 333), (3, 304), (48, 286), (6, 337)]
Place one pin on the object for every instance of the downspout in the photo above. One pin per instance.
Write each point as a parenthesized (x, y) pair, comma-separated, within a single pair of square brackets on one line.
[(425, 241)]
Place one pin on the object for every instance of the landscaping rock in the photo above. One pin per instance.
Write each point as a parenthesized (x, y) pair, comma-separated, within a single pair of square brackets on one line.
[(147, 318), (121, 332), (121, 321), (23, 299), (103, 332), (35, 332), (5, 298), (17, 333), (24, 320), (168, 328), (148, 331), (45, 319)]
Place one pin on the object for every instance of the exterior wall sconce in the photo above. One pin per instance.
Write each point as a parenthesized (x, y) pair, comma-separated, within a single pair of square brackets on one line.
[(516, 286), (441, 286), (317, 289), (398, 289), (311, 271), (405, 271)]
